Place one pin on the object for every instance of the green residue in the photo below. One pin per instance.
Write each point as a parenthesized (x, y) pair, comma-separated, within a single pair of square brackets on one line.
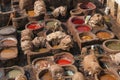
[(14, 73), (52, 24), (69, 73), (114, 46)]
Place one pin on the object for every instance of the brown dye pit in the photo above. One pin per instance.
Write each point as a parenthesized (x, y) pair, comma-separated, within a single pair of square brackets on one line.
[(46, 76), (8, 53), (107, 77)]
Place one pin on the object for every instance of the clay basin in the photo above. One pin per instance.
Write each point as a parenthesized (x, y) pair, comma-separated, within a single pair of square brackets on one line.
[(69, 71), (112, 45), (86, 6), (7, 30), (83, 28), (77, 20), (44, 74), (13, 72), (33, 17), (8, 53), (42, 63), (76, 12), (87, 36), (64, 58), (33, 25), (108, 75), (104, 34), (21, 77), (8, 42)]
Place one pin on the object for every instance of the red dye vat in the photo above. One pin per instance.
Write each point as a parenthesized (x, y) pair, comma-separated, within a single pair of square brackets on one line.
[(78, 21), (83, 28), (63, 62), (34, 26)]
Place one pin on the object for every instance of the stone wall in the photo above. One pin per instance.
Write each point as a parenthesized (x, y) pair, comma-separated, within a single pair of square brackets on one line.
[(118, 14), (111, 4)]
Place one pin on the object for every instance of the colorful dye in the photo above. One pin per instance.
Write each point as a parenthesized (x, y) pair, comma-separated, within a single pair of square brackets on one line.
[(51, 24), (78, 21), (8, 53), (103, 35), (46, 76), (31, 13), (83, 28), (69, 73), (114, 45), (107, 77), (14, 73), (34, 26), (9, 42), (63, 62), (86, 38)]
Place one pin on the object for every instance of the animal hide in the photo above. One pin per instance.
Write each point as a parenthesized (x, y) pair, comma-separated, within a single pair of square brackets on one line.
[(95, 19), (55, 35), (66, 42), (39, 42), (26, 32), (78, 76), (116, 58), (90, 64), (60, 11), (26, 45), (39, 7)]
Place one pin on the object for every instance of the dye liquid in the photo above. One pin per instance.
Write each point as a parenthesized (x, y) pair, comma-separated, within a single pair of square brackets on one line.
[(63, 62), (107, 77), (78, 21), (33, 26), (83, 28)]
